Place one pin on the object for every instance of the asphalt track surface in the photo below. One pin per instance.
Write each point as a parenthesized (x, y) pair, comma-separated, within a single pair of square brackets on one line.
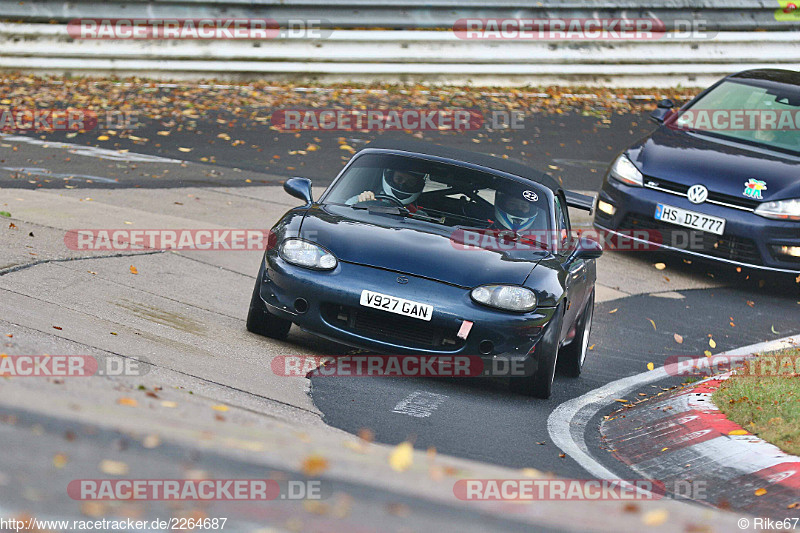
[(478, 418), (572, 147)]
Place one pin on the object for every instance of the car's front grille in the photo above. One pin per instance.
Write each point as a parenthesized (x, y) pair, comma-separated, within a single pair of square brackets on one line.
[(713, 197), (723, 246), (389, 327)]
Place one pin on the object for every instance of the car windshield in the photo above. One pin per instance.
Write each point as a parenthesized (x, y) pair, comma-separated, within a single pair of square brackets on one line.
[(766, 116), (449, 195)]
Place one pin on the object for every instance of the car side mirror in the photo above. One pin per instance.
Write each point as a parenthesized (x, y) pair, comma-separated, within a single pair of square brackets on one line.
[(663, 110), (587, 248), (299, 188)]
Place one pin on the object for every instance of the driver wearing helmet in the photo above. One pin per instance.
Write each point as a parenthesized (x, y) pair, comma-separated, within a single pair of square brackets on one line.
[(403, 185), (514, 211)]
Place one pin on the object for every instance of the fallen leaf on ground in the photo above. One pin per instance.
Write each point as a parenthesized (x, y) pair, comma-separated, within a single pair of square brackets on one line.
[(59, 460), (712, 343), (133, 270), (650, 366), (707, 353), (613, 311), (113, 468), (314, 465), (655, 517), (739, 432), (167, 403), (678, 338), (653, 324), (760, 492), (222, 408), (130, 402), (660, 266), (402, 457), (184, 149)]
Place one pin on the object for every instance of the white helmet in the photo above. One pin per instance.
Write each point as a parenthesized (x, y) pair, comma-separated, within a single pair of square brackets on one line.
[(405, 185), (515, 212)]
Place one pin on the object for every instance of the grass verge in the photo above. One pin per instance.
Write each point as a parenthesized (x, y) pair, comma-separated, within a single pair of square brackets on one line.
[(764, 398)]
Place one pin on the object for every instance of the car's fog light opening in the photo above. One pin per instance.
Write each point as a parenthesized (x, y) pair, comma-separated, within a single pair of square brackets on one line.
[(301, 305), (787, 253), (606, 208), (486, 347)]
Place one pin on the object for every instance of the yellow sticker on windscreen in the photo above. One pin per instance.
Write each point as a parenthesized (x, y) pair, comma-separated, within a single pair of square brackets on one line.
[(788, 10)]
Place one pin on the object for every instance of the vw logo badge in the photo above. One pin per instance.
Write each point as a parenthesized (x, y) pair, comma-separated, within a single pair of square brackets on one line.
[(697, 194), (402, 280)]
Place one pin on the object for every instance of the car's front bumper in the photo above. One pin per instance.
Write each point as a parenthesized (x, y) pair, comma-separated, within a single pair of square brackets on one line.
[(331, 308), (748, 240)]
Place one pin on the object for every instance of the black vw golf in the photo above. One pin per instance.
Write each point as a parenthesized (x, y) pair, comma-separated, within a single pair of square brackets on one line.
[(719, 178)]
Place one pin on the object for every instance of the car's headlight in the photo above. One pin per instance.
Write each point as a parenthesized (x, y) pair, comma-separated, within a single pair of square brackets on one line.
[(780, 210), (625, 171), (307, 254), (506, 297)]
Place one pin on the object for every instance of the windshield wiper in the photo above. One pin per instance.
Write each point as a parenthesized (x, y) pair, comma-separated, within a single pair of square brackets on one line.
[(399, 211)]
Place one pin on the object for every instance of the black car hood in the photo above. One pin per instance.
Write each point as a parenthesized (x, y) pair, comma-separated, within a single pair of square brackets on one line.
[(413, 247), (723, 166)]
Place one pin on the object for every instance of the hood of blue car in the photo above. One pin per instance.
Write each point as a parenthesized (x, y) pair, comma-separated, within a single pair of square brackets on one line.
[(722, 166), (413, 247)]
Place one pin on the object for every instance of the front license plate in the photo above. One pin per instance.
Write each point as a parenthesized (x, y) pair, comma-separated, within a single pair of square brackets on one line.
[(396, 305), (690, 219)]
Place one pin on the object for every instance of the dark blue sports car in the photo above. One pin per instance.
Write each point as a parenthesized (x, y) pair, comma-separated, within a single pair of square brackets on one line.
[(720, 178), (419, 249)]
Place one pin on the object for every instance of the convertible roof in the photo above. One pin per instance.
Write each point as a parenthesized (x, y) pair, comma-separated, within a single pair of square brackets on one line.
[(775, 75), (508, 166)]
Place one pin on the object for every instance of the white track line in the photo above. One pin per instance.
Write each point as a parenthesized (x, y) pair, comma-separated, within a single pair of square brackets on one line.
[(567, 423)]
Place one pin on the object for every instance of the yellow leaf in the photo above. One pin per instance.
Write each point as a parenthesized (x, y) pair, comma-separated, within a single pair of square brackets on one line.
[(707, 353), (114, 468), (314, 465), (134, 270), (222, 408), (653, 324), (130, 402), (712, 343), (739, 432), (613, 311), (678, 338), (655, 518), (621, 400), (760, 492), (402, 457), (650, 366), (163, 133), (59, 460), (348, 148), (184, 149), (664, 449), (102, 138), (169, 404), (660, 266)]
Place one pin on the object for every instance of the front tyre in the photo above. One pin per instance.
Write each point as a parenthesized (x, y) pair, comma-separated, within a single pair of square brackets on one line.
[(262, 322), (573, 355), (540, 384)]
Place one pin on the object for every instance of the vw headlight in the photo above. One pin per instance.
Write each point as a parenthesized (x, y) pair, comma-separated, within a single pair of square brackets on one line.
[(780, 210), (625, 171), (506, 297), (307, 254)]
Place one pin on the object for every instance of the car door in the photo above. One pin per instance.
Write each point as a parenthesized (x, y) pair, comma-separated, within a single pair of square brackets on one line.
[(575, 273)]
